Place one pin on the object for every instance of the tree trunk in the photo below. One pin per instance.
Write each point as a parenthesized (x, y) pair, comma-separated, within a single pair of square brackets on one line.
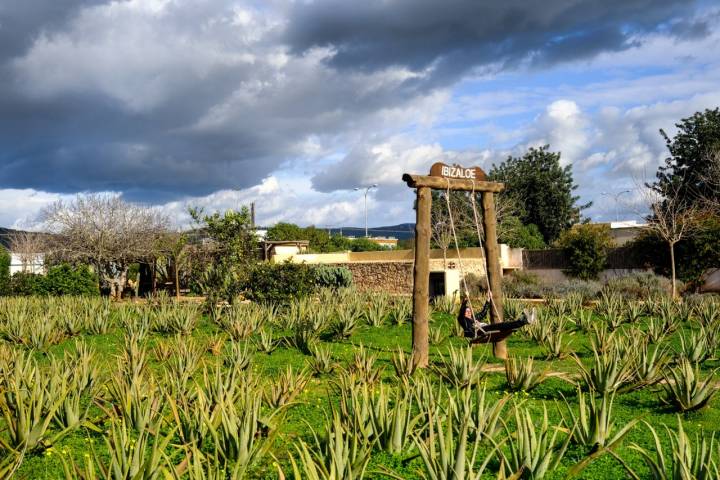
[(177, 280), (672, 268)]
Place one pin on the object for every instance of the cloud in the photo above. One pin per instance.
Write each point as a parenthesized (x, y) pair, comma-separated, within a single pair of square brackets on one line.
[(452, 37)]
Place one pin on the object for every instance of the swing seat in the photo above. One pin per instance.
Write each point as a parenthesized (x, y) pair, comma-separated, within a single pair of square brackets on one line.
[(491, 336)]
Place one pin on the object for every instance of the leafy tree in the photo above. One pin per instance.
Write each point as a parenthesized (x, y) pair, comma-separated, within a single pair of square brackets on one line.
[(544, 190), (517, 235), (234, 251), (687, 171), (285, 231), (363, 244), (4, 271), (587, 246)]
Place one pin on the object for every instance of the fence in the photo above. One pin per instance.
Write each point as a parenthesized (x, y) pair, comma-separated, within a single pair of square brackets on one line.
[(619, 258)]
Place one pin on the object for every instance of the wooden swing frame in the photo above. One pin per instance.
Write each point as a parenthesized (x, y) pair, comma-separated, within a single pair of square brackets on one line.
[(446, 178)]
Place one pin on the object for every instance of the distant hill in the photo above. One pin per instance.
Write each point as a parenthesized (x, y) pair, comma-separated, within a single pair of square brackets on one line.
[(5, 235), (401, 231)]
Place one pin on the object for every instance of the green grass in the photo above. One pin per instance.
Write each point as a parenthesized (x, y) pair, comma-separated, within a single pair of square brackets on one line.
[(313, 404)]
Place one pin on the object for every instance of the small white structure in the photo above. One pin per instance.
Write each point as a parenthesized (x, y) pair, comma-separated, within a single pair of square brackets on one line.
[(34, 263)]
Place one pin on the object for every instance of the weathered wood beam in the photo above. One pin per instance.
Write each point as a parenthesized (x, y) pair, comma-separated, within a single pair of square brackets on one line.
[(441, 183), (494, 271), (421, 279)]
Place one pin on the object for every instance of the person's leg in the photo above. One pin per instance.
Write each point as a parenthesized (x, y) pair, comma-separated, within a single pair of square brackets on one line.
[(505, 326)]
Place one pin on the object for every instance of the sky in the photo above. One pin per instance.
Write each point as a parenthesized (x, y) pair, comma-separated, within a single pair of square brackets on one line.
[(293, 104)]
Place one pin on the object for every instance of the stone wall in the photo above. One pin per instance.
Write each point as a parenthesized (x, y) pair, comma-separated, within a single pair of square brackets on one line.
[(390, 277)]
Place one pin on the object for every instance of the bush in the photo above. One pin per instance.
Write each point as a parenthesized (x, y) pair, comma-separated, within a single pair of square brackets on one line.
[(60, 280), (332, 277), (640, 285), (524, 284), (279, 282), (587, 248), (4, 272)]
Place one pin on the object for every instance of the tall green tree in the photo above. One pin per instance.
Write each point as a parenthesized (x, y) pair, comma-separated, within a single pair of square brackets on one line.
[(285, 231), (688, 171), (543, 189), (234, 250)]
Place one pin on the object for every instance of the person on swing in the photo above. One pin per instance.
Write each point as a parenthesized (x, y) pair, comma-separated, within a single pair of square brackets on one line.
[(474, 326)]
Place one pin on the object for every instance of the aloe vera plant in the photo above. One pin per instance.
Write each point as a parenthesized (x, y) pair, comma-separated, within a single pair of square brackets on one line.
[(265, 341), (593, 426), (29, 401), (393, 421), (695, 348), (649, 364), (321, 361), (242, 320), (240, 431), (685, 390), (286, 387), (445, 450), (238, 357), (377, 310), (688, 459), (401, 310), (533, 450), (484, 413), (403, 364), (608, 373), (444, 304), (363, 365), (304, 337), (521, 376), (459, 369), (345, 322), (337, 455)]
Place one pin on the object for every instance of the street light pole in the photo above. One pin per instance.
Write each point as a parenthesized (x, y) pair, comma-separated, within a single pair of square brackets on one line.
[(367, 189), (616, 196)]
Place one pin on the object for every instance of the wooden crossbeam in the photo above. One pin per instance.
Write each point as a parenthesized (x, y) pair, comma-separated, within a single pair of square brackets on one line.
[(441, 183)]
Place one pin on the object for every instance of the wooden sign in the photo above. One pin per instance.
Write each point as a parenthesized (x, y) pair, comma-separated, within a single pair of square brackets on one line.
[(440, 169)]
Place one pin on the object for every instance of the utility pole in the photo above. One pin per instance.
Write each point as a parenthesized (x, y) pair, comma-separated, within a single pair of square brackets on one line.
[(367, 189), (616, 197)]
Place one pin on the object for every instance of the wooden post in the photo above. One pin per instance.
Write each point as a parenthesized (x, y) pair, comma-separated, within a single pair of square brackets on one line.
[(494, 273), (421, 278)]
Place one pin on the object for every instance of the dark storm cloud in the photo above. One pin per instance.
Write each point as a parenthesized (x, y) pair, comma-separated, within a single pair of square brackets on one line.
[(22, 21), (453, 36), (200, 95)]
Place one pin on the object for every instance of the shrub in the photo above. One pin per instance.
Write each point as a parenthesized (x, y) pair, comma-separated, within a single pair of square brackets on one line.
[(639, 285), (332, 277), (522, 284), (587, 248), (4, 272), (61, 279), (279, 282)]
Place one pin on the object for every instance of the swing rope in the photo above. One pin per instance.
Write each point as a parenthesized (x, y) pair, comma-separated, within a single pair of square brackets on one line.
[(457, 250), (483, 257)]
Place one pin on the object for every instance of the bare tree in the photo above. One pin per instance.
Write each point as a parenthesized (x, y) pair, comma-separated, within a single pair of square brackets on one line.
[(672, 219), (440, 228), (29, 247), (107, 232)]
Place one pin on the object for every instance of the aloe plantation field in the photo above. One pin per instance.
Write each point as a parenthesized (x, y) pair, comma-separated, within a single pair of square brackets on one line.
[(324, 388)]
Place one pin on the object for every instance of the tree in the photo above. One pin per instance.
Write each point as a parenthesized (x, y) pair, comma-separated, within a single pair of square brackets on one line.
[(690, 165), (673, 218), (285, 231), (174, 245), (29, 247), (4, 271), (233, 250), (587, 246), (104, 231), (544, 190)]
